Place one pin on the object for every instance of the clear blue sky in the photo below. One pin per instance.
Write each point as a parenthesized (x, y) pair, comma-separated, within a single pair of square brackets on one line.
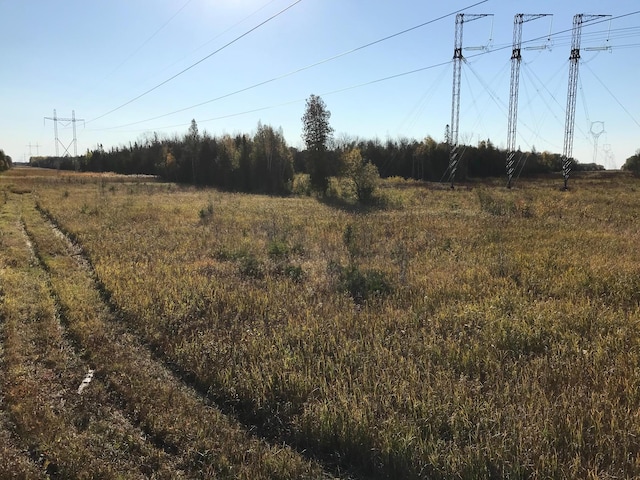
[(94, 56)]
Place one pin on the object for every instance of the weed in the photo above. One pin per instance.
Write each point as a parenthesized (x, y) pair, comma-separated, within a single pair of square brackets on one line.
[(206, 213), (250, 267), (363, 284), (278, 249)]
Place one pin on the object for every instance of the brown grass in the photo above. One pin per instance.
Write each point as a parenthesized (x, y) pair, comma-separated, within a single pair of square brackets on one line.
[(506, 347)]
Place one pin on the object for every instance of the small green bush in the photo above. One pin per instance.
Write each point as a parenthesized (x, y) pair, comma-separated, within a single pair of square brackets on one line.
[(363, 284), (278, 249), (206, 213), (251, 267)]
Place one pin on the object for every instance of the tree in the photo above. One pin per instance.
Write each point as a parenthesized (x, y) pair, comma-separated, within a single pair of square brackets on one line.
[(317, 133), (5, 161), (364, 175), (633, 163), (272, 160), (192, 139)]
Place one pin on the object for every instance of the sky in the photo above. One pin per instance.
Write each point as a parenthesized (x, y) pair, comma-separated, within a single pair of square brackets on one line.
[(128, 68)]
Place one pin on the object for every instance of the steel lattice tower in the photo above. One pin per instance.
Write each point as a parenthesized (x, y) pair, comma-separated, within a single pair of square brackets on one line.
[(71, 120), (454, 154), (574, 62), (516, 59)]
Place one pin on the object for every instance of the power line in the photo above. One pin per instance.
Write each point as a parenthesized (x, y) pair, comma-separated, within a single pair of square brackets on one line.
[(142, 45), (299, 100), (198, 62), (326, 60), (379, 80), (614, 97), (352, 87), (307, 67), (215, 37), (543, 37)]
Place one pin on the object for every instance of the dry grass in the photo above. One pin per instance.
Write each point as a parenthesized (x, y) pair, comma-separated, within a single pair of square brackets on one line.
[(507, 345)]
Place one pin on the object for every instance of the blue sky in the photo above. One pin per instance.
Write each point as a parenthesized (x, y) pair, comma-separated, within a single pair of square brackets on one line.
[(93, 57)]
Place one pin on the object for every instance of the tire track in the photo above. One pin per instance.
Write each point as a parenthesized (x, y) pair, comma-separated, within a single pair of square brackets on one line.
[(247, 420), (165, 406), (66, 434)]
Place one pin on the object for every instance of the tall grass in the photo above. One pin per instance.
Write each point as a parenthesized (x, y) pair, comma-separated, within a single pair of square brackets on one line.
[(507, 345)]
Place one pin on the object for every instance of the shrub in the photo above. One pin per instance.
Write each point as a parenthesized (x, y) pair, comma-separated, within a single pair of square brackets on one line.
[(206, 213), (363, 284), (251, 267), (278, 249)]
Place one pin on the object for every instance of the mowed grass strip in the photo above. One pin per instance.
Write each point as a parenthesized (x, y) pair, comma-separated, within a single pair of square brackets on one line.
[(68, 435), (206, 442), (507, 345)]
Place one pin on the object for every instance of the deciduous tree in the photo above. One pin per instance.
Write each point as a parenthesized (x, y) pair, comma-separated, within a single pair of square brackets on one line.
[(633, 163), (364, 175), (5, 161)]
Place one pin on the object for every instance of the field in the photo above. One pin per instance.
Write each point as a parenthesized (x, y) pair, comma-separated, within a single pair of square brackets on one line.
[(470, 333)]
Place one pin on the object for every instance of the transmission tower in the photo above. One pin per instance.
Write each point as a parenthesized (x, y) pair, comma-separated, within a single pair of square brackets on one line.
[(597, 129), (36, 146), (516, 59), (65, 122), (574, 62), (454, 153)]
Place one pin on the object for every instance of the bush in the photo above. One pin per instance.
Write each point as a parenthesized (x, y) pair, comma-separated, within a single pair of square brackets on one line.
[(633, 163), (363, 284), (206, 213), (302, 185), (278, 249), (251, 267)]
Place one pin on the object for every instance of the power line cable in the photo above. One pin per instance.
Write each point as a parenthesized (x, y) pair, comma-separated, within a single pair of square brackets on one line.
[(537, 39), (199, 61), (293, 72), (307, 67), (614, 97), (387, 78), (299, 100), (140, 47), (150, 38), (214, 38)]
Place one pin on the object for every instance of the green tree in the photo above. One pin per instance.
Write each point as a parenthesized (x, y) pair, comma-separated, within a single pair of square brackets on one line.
[(364, 175), (5, 161), (272, 160), (192, 140), (633, 163), (317, 134)]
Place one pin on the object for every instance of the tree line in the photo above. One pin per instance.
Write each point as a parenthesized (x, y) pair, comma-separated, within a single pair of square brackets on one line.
[(5, 161), (264, 163)]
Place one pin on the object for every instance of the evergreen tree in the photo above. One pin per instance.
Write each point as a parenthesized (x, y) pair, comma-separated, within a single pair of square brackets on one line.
[(316, 134)]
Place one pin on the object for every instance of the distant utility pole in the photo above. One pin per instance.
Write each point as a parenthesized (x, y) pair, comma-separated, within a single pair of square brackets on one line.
[(65, 123)]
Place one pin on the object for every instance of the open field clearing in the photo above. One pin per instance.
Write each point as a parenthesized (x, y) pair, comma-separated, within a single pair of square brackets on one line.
[(473, 333)]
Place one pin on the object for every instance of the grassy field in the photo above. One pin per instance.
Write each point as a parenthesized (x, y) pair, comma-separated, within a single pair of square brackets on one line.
[(474, 333)]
